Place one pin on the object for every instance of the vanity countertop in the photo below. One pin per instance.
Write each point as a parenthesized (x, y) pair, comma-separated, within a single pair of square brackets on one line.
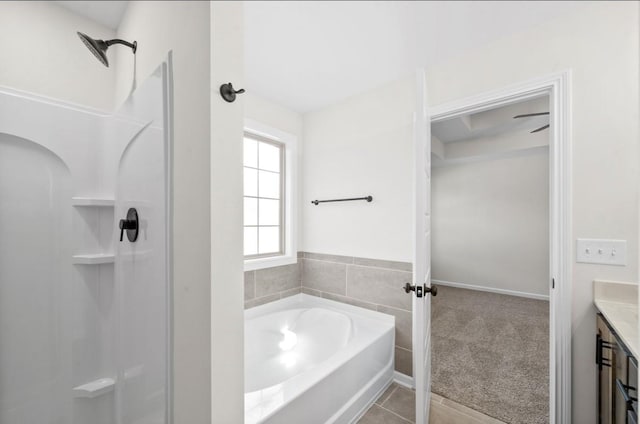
[(618, 302)]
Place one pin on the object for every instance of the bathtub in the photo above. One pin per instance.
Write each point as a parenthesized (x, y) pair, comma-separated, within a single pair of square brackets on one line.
[(312, 360)]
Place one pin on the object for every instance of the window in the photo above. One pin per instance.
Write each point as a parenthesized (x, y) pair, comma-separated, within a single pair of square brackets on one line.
[(270, 196), (264, 197)]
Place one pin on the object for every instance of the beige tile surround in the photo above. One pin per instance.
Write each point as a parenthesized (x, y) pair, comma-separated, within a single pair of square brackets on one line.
[(367, 283), (269, 284)]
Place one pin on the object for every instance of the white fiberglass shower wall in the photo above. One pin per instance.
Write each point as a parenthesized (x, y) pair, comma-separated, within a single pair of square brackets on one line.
[(84, 318)]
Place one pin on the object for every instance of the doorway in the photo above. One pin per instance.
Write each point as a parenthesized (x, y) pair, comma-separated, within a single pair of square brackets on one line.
[(490, 260), (556, 88)]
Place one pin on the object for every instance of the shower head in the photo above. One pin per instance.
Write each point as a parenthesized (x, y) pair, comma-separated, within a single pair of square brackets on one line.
[(99, 47)]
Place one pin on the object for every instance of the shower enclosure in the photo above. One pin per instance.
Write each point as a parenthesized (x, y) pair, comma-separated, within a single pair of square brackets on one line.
[(84, 317)]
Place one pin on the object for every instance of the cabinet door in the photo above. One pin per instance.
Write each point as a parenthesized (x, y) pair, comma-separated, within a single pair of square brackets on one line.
[(605, 374), (621, 383)]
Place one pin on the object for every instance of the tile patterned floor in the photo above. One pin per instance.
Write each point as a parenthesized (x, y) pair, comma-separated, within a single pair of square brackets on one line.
[(396, 406)]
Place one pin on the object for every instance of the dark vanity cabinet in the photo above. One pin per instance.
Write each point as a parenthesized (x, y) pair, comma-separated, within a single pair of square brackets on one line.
[(617, 377), (604, 361)]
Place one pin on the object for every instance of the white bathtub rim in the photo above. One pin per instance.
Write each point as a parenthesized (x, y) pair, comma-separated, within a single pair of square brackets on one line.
[(309, 378), (315, 301)]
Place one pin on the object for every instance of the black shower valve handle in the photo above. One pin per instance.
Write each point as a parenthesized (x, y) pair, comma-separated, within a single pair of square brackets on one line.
[(126, 224), (130, 223)]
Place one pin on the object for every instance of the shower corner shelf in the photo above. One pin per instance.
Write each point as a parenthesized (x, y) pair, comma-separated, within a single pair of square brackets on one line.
[(94, 259), (94, 388), (92, 202)]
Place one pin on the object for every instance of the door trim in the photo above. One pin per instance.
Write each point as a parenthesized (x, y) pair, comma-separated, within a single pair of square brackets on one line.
[(558, 87)]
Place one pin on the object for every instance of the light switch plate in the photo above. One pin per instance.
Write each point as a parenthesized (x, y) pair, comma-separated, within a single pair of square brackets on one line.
[(598, 251)]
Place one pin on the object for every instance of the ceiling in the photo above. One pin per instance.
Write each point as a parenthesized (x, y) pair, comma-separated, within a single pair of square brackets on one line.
[(492, 122), (306, 55), (107, 13), (491, 134)]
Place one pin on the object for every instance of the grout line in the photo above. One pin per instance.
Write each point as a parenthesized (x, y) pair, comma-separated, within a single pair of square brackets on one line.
[(346, 289), (381, 267), (353, 261), (397, 415), (390, 394), (376, 305), (352, 258), (393, 307), (439, 399), (358, 265), (265, 296), (331, 262), (346, 281), (469, 412), (475, 420), (255, 284)]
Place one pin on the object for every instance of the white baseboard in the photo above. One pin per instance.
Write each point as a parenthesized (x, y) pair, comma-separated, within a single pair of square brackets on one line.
[(403, 379), (491, 290)]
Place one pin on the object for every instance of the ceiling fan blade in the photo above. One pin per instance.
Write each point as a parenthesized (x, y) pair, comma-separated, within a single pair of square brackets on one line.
[(526, 115), (540, 129)]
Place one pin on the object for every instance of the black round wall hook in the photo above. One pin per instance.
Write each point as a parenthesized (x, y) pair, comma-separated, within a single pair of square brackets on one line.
[(228, 93)]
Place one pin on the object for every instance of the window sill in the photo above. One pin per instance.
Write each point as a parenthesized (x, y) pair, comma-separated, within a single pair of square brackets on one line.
[(262, 263)]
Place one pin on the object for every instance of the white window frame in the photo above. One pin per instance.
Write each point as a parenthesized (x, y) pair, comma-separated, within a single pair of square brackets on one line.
[(290, 212), (281, 198)]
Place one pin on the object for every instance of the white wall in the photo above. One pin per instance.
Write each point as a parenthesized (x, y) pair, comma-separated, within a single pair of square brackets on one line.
[(490, 223), (42, 54), (184, 28), (269, 113), (361, 146), (600, 45), (227, 288)]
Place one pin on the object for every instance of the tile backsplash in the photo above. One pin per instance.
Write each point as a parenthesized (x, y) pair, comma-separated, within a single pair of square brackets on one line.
[(367, 283)]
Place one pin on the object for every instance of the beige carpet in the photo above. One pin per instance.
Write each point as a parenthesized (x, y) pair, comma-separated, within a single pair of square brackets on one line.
[(490, 352)]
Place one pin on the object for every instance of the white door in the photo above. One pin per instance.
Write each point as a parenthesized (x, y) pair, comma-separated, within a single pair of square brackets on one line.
[(422, 253)]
